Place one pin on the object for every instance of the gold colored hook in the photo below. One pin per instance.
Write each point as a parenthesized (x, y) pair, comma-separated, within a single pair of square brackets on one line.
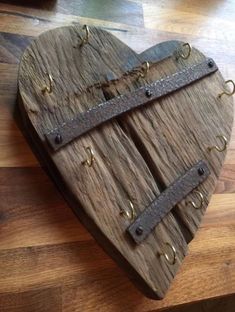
[(201, 200), (227, 92), (224, 146), (91, 158), (87, 34), (144, 70), (130, 215), (180, 52), (46, 88), (170, 260)]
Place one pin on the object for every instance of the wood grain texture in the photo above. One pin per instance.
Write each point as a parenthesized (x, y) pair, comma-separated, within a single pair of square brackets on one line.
[(201, 277), (134, 155), (105, 190)]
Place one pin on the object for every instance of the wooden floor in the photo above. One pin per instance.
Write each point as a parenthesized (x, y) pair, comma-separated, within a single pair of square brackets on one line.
[(48, 261)]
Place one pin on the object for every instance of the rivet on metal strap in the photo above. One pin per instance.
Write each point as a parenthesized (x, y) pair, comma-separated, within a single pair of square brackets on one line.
[(129, 214), (48, 88), (223, 140), (91, 158), (171, 259), (200, 200), (58, 138), (184, 52), (227, 92)]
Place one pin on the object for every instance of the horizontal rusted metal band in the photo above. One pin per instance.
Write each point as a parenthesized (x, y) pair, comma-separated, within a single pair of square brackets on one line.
[(159, 208), (86, 121)]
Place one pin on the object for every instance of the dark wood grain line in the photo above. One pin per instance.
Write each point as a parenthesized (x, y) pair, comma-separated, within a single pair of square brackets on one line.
[(10, 13)]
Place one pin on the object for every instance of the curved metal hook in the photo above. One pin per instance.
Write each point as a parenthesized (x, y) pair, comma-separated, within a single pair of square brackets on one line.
[(86, 37), (46, 88), (227, 92), (180, 52), (144, 70), (216, 147), (201, 200), (91, 158), (130, 215), (170, 260)]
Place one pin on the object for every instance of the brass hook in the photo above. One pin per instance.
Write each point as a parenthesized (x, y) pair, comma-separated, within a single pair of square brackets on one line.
[(91, 158), (85, 39), (220, 149), (46, 88), (130, 215), (201, 200), (144, 70), (229, 93), (181, 54), (170, 260)]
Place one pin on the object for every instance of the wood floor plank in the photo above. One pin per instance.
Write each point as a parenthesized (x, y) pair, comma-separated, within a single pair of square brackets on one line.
[(33, 212), (226, 183), (36, 300), (14, 150), (120, 11), (12, 47), (52, 265), (170, 19)]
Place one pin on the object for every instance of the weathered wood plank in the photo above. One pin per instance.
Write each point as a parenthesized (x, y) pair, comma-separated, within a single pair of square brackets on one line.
[(177, 136)]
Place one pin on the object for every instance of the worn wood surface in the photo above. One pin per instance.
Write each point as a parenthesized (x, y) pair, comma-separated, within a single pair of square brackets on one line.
[(135, 153), (57, 271), (120, 172)]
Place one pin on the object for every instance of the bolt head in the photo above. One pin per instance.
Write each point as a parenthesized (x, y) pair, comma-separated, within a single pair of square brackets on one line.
[(139, 230), (210, 63), (148, 93), (201, 171), (58, 139)]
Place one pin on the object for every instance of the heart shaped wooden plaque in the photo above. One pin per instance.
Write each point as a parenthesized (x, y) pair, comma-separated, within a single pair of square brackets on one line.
[(135, 142)]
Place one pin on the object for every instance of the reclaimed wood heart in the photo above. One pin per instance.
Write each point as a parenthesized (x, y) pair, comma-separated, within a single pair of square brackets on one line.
[(113, 172)]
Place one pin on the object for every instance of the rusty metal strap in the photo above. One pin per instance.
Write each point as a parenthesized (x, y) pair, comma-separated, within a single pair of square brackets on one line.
[(86, 121), (159, 208)]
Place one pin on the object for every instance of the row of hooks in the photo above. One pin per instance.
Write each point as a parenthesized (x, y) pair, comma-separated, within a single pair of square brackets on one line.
[(142, 73), (184, 52), (131, 214), (91, 157)]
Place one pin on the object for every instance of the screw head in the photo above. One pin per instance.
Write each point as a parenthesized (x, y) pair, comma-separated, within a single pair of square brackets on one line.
[(210, 63), (201, 171), (58, 139), (139, 230), (148, 93)]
